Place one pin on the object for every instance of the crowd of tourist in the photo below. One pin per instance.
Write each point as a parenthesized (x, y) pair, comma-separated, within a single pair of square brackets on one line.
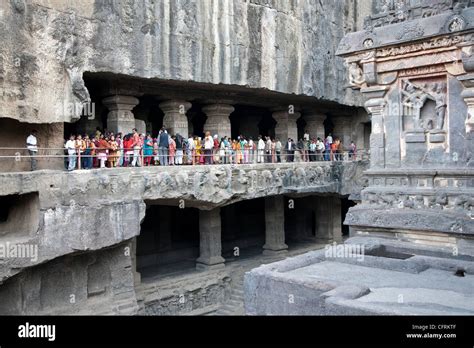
[(106, 149)]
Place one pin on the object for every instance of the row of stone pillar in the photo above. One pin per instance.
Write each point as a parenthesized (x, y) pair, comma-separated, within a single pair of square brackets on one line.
[(328, 229), (120, 119)]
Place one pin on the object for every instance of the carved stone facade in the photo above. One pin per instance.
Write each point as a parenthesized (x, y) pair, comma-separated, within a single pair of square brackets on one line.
[(418, 85)]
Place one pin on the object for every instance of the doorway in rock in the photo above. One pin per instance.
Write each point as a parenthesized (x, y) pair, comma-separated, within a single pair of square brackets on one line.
[(168, 240), (243, 229), (345, 205)]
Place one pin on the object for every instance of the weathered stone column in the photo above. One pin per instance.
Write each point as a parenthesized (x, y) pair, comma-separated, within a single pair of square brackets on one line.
[(375, 106), (274, 226), (210, 247), (218, 121), (328, 219), (175, 119), (342, 129), (315, 124), (120, 118), (286, 125)]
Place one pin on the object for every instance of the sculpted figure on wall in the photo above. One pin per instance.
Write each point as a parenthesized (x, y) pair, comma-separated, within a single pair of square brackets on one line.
[(439, 97), (415, 97), (356, 75)]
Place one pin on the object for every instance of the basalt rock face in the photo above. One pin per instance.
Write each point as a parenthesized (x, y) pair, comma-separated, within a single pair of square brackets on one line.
[(285, 46)]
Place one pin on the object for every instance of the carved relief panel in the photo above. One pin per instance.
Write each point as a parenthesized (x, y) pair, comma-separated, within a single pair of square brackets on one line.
[(423, 102)]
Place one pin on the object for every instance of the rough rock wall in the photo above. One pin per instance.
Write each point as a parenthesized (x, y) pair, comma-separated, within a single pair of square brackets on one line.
[(281, 45), (97, 282)]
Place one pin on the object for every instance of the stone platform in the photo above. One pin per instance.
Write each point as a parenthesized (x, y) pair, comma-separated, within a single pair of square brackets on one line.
[(377, 277)]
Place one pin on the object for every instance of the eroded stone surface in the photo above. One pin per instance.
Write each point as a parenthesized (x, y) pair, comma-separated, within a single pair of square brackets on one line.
[(48, 45)]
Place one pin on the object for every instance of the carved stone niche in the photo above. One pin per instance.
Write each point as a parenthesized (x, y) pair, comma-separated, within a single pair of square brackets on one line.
[(424, 109)]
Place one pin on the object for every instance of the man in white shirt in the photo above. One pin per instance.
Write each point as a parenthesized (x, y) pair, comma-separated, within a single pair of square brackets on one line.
[(71, 151), (329, 139), (306, 135), (32, 146), (260, 149)]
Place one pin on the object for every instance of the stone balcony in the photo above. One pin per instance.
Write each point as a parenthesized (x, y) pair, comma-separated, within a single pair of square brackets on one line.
[(91, 210)]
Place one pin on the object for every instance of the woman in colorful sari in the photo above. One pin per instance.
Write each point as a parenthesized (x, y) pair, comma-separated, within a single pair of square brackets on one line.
[(148, 150), (197, 150)]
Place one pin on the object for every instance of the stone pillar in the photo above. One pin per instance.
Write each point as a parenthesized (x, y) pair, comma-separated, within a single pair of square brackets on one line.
[(175, 119), (342, 129), (375, 106), (218, 121), (120, 118), (274, 226), (315, 124), (286, 125), (210, 256), (328, 219)]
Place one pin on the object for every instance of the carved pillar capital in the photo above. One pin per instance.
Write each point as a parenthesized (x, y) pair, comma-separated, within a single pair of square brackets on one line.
[(218, 121), (120, 118), (120, 102), (175, 119)]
